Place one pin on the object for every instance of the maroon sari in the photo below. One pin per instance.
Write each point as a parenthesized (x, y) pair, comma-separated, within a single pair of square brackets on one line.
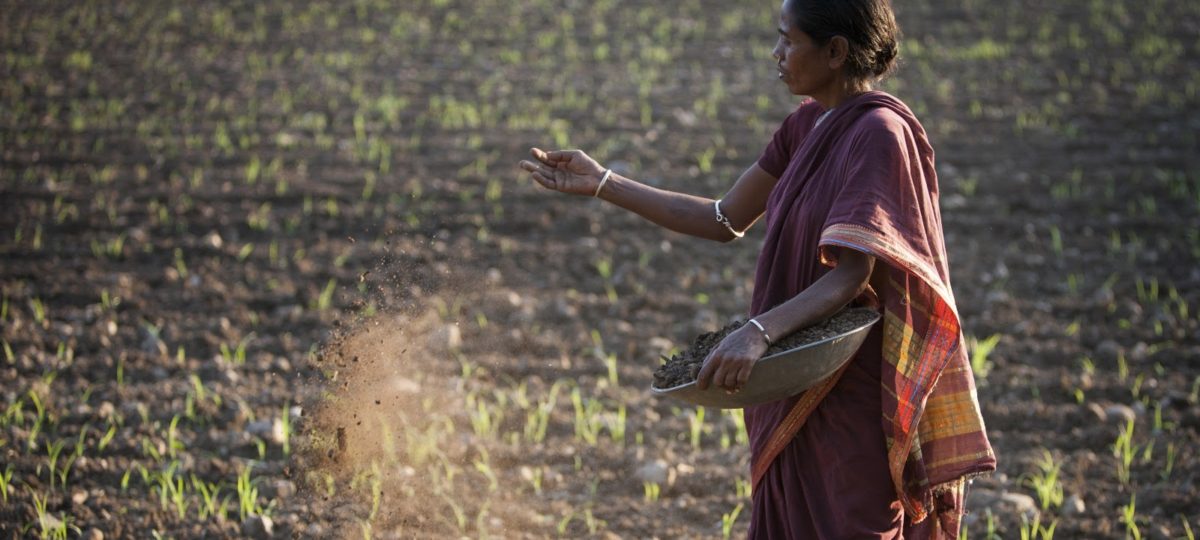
[(834, 470)]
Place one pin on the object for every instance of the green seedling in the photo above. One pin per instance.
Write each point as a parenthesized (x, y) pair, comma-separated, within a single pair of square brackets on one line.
[(535, 479), (209, 498), (460, 517), (1130, 519), (376, 481), (1034, 530), (53, 452), (610, 360), (565, 522), (741, 488), (605, 269), (1045, 482), (325, 300), (588, 421), (150, 450), (1165, 474), (1056, 241), (616, 424), (1124, 450), (485, 419), (39, 311), (651, 491), (696, 427), (236, 355), (980, 350), (107, 438), (247, 494), (728, 519), (6, 482), (286, 421), (482, 466)]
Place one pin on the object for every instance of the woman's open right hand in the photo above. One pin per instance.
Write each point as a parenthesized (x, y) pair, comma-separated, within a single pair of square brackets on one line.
[(568, 171)]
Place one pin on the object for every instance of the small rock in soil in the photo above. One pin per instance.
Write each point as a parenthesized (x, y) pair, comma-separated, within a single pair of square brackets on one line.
[(654, 471), (93, 534), (280, 489), (1073, 506), (683, 367), (1001, 504), (258, 527), (1120, 413), (270, 430), (1108, 351)]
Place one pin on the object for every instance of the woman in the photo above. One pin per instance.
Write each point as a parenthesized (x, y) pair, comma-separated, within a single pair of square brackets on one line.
[(849, 192)]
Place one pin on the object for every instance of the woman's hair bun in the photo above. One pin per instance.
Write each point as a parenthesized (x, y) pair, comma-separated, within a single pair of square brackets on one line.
[(885, 58)]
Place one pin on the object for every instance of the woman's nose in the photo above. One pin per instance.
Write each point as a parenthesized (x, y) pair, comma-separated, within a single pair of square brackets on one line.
[(777, 52)]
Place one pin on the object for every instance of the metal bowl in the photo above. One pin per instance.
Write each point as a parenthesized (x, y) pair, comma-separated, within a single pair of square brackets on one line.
[(780, 375)]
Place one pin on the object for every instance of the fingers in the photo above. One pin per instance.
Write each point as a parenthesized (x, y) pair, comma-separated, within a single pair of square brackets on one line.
[(551, 158), (723, 372), (743, 375), (540, 174), (732, 376), (539, 155), (728, 372)]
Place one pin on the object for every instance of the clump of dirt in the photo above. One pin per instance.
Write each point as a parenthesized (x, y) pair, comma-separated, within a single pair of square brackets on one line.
[(682, 368)]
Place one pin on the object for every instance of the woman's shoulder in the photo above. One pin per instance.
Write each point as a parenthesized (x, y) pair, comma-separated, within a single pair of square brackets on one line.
[(881, 118), (885, 112)]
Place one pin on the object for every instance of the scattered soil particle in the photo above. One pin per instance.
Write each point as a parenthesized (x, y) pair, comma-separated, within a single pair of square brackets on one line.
[(683, 367)]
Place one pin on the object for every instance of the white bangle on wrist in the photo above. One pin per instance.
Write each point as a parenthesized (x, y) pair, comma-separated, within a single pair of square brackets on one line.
[(603, 179), (763, 331), (725, 221)]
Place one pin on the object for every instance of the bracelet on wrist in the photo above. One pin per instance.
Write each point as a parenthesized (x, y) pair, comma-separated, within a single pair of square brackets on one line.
[(766, 337), (603, 179), (725, 221)]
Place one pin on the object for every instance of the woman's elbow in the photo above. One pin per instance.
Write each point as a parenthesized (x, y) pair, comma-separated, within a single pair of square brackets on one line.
[(856, 269)]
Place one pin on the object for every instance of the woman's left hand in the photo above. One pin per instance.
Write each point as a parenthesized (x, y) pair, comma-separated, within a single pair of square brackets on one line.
[(729, 365)]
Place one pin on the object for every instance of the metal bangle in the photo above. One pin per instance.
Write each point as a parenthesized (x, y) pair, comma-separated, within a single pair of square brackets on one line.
[(607, 173), (763, 331), (725, 221)]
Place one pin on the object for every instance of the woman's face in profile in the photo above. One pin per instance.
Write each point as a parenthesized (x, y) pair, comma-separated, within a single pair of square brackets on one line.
[(803, 65)]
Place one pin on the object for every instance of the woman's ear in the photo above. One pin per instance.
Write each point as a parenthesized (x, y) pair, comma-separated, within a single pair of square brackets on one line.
[(839, 50)]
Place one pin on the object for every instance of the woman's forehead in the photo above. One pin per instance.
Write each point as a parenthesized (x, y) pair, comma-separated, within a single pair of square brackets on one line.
[(785, 17)]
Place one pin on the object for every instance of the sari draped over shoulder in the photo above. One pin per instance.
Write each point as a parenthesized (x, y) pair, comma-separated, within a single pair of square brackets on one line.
[(864, 179)]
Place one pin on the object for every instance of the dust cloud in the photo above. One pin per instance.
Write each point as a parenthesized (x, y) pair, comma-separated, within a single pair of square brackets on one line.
[(388, 448)]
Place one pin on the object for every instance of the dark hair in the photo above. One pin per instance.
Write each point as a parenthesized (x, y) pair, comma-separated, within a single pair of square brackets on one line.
[(868, 25)]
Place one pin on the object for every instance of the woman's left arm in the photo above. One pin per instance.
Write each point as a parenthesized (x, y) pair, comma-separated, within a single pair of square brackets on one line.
[(729, 365)]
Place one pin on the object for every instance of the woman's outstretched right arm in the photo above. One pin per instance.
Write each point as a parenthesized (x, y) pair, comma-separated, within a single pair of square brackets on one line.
[(572, 171)]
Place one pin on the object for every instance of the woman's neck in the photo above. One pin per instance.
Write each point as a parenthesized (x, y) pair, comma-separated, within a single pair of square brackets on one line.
[(841, 92)]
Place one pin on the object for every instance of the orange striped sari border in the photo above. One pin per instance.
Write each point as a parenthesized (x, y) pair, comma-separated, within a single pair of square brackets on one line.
[(871, 242)]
